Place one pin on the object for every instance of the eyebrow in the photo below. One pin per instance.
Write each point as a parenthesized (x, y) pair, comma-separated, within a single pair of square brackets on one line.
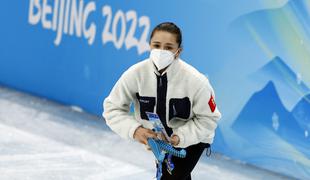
[(157, 42)]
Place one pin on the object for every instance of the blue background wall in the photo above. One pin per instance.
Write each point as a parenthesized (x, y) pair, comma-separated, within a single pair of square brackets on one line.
[(256, 54)]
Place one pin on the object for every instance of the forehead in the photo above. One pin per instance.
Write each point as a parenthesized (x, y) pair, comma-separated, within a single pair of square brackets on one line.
[(164, 37)]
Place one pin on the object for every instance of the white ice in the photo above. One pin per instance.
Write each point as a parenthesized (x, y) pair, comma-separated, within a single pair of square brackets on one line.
[(40, 139)]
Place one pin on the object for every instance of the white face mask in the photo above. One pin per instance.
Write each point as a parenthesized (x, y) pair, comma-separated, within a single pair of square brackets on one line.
[(162, 58)]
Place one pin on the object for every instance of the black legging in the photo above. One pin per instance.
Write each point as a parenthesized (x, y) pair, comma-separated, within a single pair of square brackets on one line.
[(184, 166)]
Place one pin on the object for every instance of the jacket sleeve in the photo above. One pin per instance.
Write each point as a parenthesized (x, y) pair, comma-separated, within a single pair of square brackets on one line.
[(117, 108), (204, 122)]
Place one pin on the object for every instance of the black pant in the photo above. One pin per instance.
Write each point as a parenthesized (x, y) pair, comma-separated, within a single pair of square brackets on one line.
[(184, 166)]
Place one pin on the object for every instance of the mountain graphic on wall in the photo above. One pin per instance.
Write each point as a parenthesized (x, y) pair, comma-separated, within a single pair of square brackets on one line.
[(277, 70), (274, 120), (301, 112), (289, 85), (265, 111)]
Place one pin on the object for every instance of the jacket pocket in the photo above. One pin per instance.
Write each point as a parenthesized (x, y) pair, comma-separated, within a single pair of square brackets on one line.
[(147, 104), (180, 108)]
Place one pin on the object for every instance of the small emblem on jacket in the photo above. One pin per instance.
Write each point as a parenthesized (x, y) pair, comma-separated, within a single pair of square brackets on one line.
[(144, 101), (212, 104)]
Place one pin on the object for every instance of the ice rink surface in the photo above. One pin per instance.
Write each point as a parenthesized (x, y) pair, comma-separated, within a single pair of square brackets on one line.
[(40, 139)]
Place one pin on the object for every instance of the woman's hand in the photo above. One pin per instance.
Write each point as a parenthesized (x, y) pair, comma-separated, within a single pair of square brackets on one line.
[(142, 134), (175, 140)]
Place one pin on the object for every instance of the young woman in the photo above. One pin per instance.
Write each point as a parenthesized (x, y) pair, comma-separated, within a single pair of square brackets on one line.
[(181, 96)]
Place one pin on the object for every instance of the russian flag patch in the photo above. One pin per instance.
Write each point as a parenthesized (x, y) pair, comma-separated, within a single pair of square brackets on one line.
[(212, 104)]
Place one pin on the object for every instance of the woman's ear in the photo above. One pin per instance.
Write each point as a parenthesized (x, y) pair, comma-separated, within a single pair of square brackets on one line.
[(179, 52)]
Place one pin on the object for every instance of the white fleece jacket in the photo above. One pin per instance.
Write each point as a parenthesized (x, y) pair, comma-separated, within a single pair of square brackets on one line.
[(189, 100)]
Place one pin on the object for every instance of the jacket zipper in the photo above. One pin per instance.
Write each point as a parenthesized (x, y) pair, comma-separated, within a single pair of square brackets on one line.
[(161, 101)]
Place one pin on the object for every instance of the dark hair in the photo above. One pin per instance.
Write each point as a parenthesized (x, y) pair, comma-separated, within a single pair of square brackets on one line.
[(171, 28)]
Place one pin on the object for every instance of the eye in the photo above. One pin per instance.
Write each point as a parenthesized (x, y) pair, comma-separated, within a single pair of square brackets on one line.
[(168, 48), (156, 46)]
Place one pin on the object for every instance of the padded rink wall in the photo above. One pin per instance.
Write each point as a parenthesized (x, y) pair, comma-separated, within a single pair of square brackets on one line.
[(256, 55)]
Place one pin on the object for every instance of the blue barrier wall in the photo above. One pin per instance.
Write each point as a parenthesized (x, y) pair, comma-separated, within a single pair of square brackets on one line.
[(256, 54)]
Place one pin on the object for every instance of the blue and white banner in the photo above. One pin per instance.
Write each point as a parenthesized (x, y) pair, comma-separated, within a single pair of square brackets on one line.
[(256, 55)]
